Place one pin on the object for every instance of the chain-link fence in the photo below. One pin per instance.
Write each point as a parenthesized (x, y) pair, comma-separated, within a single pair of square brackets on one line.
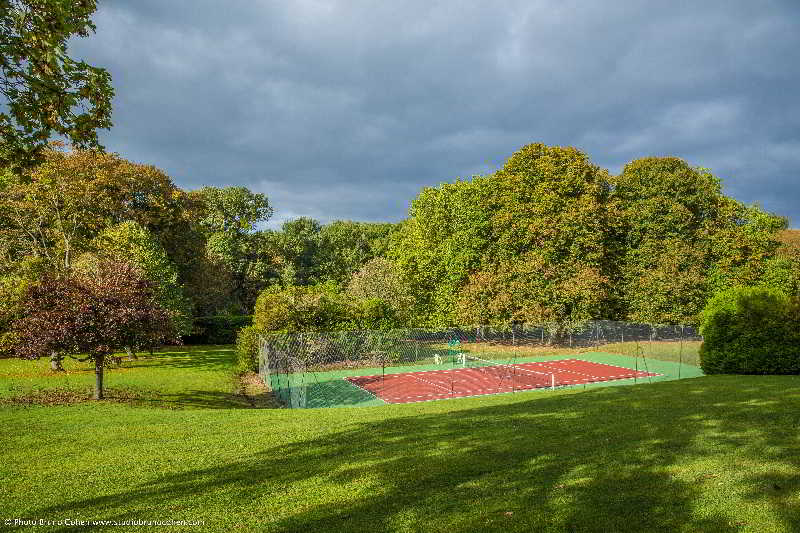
[(346, 368)]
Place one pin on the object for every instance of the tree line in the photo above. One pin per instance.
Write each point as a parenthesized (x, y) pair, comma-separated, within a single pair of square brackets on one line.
[(553, 237), (549, 237), (203, 250)]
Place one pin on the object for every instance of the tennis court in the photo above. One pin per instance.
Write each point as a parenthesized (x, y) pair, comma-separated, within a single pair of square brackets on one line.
[(479, 377), (369, 368)]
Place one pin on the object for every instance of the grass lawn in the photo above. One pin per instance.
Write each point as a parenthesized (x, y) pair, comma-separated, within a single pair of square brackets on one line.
[(715, 453), (180, 377)]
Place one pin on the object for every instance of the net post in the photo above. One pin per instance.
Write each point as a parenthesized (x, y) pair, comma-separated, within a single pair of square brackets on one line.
[(680, 353), (644, 359), (454, 358), (514, 373)]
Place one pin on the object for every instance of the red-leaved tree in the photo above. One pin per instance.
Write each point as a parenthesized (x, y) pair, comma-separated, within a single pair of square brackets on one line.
[(90, 317)]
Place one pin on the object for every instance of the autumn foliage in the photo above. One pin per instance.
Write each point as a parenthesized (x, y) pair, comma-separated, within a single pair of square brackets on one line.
[(91, 317)]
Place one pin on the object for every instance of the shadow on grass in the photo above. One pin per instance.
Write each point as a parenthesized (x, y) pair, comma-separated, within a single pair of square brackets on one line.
[(600, 461), (195, 357)]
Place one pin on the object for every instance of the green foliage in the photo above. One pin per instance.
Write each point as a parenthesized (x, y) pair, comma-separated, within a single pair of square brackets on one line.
[(228, 217), (247, 349), (443, 240), (57, 208), (47, 92), (531, 290), (13, 287), (744, 243), (751, 331), (546, 207), (345, 246), (232, 209), (299, 247), (12, 290), (301, 308), (666, 212), (321, 307), (129, 241), (373, 314), (381, 279), (677, 239)]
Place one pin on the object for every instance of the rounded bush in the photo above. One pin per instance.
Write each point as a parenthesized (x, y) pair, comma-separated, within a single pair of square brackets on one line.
[(750, 331)]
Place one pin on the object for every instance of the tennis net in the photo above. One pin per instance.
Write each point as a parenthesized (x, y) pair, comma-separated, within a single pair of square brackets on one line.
[(511, 375)]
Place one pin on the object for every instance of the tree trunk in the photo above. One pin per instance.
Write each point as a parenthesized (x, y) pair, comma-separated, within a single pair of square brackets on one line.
[(131, 353), (55, 362), (98, 377)]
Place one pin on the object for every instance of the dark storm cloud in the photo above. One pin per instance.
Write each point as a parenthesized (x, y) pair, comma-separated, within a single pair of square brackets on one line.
[(346, 109)]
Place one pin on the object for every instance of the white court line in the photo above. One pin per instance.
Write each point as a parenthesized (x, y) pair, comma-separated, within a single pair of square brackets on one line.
[(431, 383), (593, 376)]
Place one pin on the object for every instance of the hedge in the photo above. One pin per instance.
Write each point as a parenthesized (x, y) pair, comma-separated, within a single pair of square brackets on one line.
[(751, 331)]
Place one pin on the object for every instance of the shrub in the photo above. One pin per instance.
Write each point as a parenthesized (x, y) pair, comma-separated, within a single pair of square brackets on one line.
[(373, 314), (751, 331), (314, 308), (247, 349)]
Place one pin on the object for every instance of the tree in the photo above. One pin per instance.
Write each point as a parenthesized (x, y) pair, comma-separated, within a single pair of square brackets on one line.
[(345, 246), (229, 217), (47, 92), (746, 247), (532, 290), (445, 238), (90, 317), (381, 279), (677, 240), (299, 246), (232, 209), (129, 241), (540, 222), (56, 209)]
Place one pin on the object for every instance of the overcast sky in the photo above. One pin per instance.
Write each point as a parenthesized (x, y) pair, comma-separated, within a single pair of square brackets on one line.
[(345, 110)]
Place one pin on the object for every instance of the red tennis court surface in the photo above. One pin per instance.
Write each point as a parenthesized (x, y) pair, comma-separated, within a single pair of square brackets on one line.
[(477, 380)]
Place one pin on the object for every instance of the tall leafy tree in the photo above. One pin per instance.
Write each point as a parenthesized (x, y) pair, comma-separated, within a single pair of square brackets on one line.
[(345, 246), (57, 208), (548, 252), (129, 241), (446, 236), (47, 92), (678, 240), (229, 218), (667, 212), (535, 226), (232, 210), (299, 245)]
